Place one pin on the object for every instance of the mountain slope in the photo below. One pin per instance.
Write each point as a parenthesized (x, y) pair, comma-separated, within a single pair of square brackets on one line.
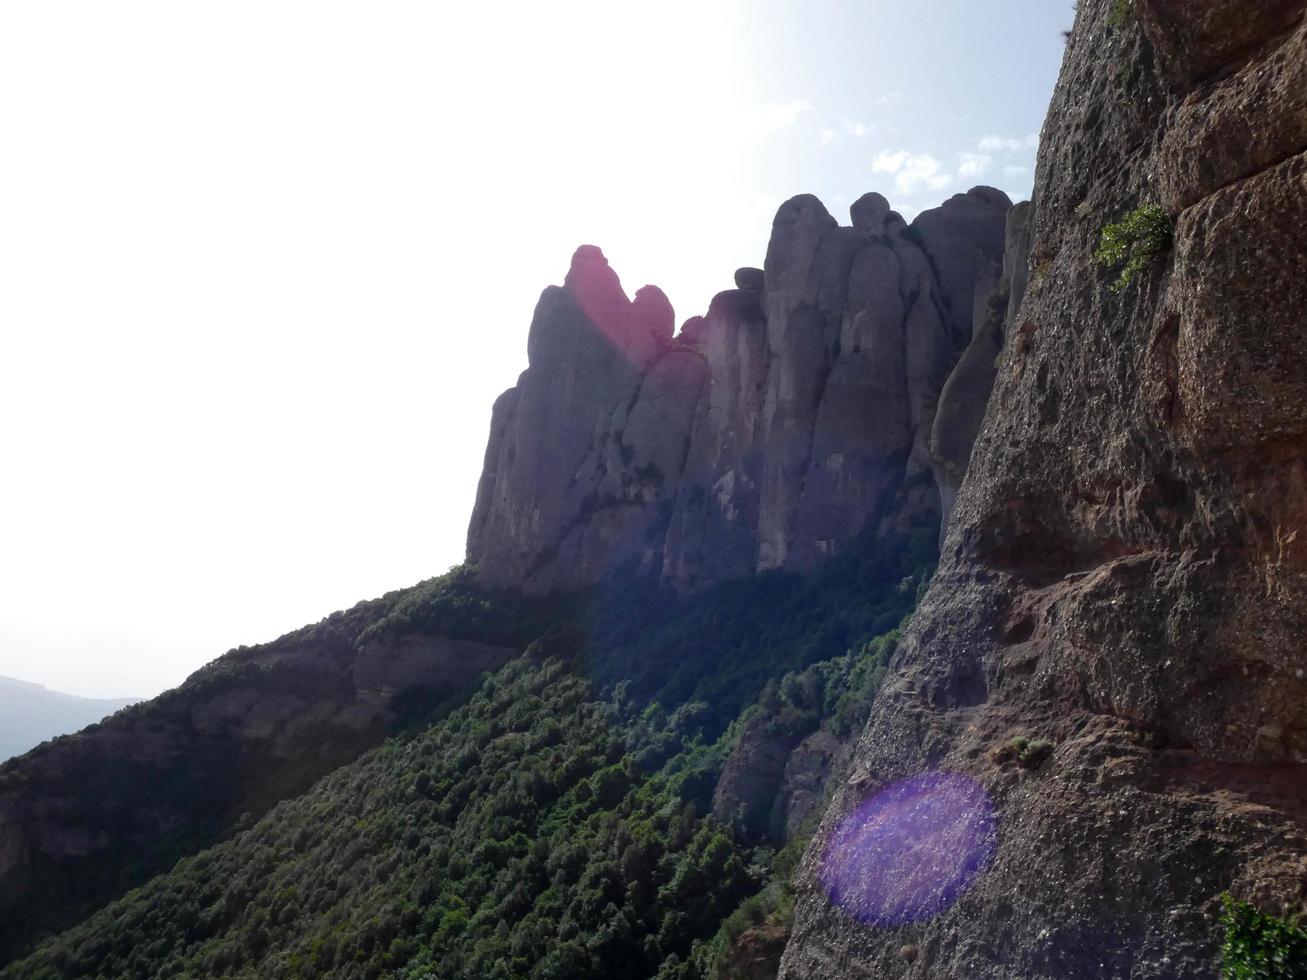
[(537, 831), (513, 839), (1125, 575), (87, 816), (30, 714)]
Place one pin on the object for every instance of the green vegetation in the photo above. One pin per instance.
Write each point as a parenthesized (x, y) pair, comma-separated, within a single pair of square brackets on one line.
[(1259, 946), (1121, 15), (517, 838), (453, 605), (761, 925), (1134, 242), (204, 779), (550, 825), (1029, 753), (722, 646)]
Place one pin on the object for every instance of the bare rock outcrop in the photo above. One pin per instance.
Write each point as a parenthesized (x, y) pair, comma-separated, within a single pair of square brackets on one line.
[(747, 791), (808, 771), (771, 431), (1125, 571)]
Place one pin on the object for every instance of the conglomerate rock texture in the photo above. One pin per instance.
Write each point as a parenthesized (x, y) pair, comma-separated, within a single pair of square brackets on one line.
[(1125, 571), (769, 432)]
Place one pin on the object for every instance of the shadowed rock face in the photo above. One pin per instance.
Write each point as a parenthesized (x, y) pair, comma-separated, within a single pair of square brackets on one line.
[(1125, 571), (769, 433)]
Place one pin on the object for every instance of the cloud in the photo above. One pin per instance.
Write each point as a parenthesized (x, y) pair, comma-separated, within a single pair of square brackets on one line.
[(889, 163), (891, 97), (829, 136), (912, 171), (1008, 144), (972, 165), (781, 115), (855, 127)]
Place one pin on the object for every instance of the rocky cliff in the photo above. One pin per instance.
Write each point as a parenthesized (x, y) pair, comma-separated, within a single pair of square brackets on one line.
[(1125, 572), (765, 434)]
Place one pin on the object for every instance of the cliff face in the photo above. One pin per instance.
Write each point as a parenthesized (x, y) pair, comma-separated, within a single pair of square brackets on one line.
[(770, 431), (1125, 573)]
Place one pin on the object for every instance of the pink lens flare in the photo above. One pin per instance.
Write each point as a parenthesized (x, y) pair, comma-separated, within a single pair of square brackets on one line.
[(911, 850)]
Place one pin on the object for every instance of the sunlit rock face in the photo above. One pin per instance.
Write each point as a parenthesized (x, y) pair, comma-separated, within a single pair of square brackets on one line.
[(772, 430), (1125, 570)]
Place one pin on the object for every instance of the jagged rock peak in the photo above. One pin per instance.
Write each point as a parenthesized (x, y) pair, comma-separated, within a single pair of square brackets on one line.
[(651, 310), (869, 212), (790, 417)]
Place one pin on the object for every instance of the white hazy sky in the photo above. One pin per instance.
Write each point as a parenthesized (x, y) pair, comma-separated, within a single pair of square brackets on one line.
[(265, 265)]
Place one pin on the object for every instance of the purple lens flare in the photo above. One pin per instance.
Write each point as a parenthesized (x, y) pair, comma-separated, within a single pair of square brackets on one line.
[(911, 850)]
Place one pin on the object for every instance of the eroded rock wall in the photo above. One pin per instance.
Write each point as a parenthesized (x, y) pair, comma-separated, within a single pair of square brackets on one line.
[(1125, 572), (769, 432)]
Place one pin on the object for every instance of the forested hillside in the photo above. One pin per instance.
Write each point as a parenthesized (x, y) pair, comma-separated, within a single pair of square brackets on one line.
[(559, 824)]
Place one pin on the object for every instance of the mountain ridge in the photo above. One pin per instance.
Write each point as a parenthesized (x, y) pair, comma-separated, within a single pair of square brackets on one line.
[(32, 713)]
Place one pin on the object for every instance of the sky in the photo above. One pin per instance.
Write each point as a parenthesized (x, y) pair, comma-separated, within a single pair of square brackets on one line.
[(264, 266)]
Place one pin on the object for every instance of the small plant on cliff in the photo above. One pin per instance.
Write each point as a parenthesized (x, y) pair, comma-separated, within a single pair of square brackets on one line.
[(1259, 946), (1133, 242), (1029, 753), (1041, 264), (1121, 15)]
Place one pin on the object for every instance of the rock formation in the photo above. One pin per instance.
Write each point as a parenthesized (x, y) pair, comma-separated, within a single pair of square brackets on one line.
[(1125, 572), (771, 431), (776, 775)]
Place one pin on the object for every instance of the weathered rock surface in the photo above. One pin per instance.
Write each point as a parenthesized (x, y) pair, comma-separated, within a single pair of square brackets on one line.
[(1125, 572), (777, 775), (795, 413), (808, 771), (747, 790)]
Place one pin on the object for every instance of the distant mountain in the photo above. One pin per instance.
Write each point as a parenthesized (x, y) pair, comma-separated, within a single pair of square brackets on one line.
[(31, 713)]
